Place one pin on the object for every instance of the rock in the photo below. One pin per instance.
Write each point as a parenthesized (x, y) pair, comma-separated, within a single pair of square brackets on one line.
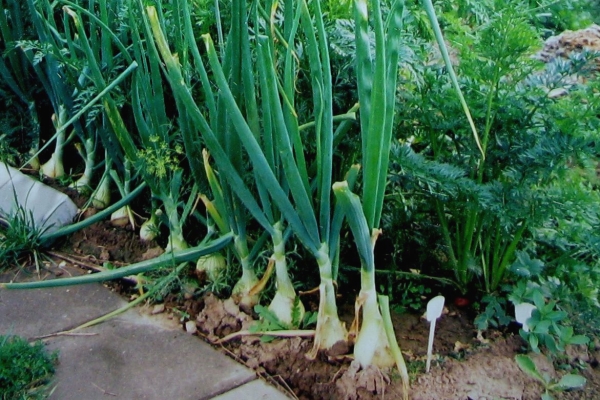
[(46, 209), (557, 92), (158, 309), (190, 327), (571, 41), (152, 253)]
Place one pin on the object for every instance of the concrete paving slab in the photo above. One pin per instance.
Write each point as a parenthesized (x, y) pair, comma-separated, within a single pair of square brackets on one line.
[(130, 361), (255, 390), (36, 312), (134, 356)]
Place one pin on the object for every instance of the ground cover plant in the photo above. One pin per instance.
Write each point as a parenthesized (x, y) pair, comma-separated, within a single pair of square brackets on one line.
[(25, 369), (299, 139)]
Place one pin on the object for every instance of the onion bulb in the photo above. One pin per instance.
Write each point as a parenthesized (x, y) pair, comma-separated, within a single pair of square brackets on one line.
[(213, 265)]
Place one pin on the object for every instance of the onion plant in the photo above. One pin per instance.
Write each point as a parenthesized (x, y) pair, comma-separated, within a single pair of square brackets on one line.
[(376, 78), (220, 212), (226, 208), (277, 157), (58, 63), (88, 154), (53, 168), (15, 67), (376, 75), (123, 215), (154, 150), (166, 260), (56, 70)]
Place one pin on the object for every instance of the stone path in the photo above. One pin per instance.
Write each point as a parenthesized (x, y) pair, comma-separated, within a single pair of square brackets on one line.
[(133, 356)]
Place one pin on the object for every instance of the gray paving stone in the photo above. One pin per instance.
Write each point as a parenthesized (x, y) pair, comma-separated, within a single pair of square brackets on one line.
[(133, 356), (131, 359), (255, 390), (36, 312)]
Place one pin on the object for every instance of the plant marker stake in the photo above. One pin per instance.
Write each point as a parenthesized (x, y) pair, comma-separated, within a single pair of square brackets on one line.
[(523, 313), (434, 311)]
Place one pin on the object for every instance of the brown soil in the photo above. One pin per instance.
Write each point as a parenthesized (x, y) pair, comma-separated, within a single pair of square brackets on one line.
[(464, 367)]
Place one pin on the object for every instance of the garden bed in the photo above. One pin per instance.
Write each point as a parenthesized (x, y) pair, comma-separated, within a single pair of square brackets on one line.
[(464, 367), (291, 137)]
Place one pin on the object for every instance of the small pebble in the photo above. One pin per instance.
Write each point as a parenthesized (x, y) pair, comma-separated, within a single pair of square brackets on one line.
[(190, 327), (158, 308)]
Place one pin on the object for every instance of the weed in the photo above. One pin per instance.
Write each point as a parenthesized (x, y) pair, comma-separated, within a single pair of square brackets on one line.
[(412, 297), (494, 315), (548, 325), (415, 369), (25, 369), (567, 382), (268, 321), (18, 236)]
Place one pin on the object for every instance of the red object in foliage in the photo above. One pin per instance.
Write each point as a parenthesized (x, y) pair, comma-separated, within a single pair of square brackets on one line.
[(461, 302)]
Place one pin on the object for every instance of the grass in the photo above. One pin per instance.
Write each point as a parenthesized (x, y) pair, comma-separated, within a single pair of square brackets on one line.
[(18, 236), (25, 369)]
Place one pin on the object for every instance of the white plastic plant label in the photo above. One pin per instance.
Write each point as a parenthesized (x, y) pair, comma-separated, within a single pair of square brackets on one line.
[(523, 313)]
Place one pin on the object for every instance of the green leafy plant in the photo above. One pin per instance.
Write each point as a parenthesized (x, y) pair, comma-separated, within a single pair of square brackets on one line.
[(494, 314), (25, 369), (18, 237), (566, 382), (548, 324), (490, 197), (411, 296), (569, 246), (268, 321)]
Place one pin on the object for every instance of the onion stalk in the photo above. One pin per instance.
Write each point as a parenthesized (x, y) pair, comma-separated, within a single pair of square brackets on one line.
[(242, 291), (163, 261), (176, 241), (124, 215), (148, 109), (88, 153), (101, 196), (285, 303), (330, 331), (213, 265), (376, 78), (371, 347), (221, 212), (54, 168), (149, 229)]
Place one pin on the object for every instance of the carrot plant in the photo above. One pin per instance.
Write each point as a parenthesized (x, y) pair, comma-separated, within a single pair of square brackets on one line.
[(467, 236), (490, 200)]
